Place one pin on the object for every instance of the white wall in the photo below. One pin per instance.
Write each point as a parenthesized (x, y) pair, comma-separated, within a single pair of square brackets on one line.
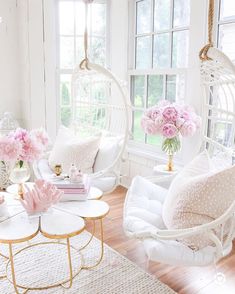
[(9, 60)]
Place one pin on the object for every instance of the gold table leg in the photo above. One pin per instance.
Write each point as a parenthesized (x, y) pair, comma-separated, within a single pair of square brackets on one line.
[(11, 259), (101, 244), (58, 284), (70, 266)]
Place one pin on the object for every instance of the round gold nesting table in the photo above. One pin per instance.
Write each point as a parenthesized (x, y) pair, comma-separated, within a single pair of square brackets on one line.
[(64, 221)]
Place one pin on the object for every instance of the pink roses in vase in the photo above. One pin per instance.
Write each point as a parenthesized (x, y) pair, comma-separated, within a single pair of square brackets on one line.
[(171, 121)]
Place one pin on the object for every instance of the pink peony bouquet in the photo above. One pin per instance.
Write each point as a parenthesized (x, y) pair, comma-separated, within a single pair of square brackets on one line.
[(170, 120), (22, 145)]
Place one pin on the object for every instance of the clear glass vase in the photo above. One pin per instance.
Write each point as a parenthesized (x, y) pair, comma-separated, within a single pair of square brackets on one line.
[(20, 174), (171, 146)]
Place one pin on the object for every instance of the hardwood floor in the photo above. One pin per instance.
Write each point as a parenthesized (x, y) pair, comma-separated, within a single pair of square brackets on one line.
[(184, 280)]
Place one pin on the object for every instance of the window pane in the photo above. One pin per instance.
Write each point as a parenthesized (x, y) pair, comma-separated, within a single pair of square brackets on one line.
[(138, 91), (222, 133), (65, 90), (227, 10), (181, 13), (98, 50), (143, 52), (66, 52), (138, 133), (162, 14), (80, 18), (155, 89), (171, 88), (180, 49), (66, 115), (98, 19), (66, 15), (143, 13), (79, 49), (227, 40), (154, 140), (161, 55)]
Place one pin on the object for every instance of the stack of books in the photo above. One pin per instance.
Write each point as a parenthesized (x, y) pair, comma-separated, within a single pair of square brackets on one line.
[(74, 191)]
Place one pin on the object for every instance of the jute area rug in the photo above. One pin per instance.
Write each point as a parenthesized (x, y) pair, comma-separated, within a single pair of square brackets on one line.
[(46, 264)]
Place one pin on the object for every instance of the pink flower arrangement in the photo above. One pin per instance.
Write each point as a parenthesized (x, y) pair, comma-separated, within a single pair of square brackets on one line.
[(23, 145), (170, 120), (9, 149)]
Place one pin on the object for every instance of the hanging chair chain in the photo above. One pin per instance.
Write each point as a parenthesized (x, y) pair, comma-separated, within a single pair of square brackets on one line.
[(85, 62), (203, 52)]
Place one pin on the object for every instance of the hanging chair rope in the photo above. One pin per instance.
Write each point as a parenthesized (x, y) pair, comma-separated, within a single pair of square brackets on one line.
[(85, 62), (203, 52)]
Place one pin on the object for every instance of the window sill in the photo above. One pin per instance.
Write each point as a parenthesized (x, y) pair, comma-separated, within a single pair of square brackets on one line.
[(153, 154)]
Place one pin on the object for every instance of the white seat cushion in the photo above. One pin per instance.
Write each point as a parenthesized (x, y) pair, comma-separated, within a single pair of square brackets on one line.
[(143, 213)]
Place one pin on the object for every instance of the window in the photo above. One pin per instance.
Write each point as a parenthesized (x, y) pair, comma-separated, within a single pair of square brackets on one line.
[(226, 27), (71, 21), (161, 39), (221, 96)]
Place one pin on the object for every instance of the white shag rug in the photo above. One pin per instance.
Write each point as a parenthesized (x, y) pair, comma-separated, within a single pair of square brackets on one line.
[(46, 264)]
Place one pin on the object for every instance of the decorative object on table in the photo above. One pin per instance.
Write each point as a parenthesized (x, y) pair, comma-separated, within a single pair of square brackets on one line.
[(75, 175), (7, 124), (58, 169), (77, 190), (3, 209), (41, 197), (9, 152), (33, 144), (171, 120)]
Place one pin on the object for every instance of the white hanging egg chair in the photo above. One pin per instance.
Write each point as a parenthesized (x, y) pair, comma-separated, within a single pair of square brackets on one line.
[(144, 200), (100, 105)]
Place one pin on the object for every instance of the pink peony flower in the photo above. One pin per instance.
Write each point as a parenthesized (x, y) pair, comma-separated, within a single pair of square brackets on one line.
[(149, 126), (170, 114), (169, 130), (10, 149), (19, 134), (31, 150), (40, 136), (159, 122), (188, 129), (153, 112), (179, 122)]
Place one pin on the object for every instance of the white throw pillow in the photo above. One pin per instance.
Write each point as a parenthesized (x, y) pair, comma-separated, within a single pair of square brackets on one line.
[(195, 199), (108, 151), (69, 149)]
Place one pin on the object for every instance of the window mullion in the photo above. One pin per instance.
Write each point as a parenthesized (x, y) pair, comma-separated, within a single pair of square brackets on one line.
[(171, 33)]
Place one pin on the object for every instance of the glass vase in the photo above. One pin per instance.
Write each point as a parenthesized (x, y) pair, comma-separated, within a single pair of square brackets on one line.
[(20, 174), (171, 146)]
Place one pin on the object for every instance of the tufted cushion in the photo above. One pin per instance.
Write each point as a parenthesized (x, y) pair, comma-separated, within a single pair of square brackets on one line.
[(69, 149), (196, 199), (143, 212)]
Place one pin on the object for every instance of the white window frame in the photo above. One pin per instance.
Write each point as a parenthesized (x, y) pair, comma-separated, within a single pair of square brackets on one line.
[(60, 71), (219, 22), (135, 145)]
